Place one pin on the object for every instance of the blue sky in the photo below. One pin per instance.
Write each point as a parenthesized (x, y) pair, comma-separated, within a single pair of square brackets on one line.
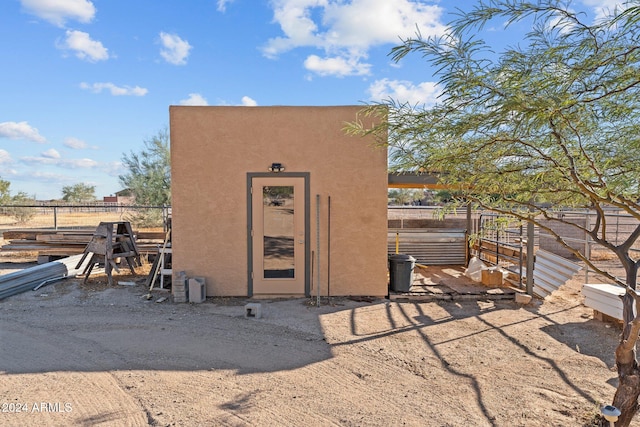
[(85, 81)]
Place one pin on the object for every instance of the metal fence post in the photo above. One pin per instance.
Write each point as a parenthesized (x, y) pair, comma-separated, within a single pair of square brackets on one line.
[(530, 249)]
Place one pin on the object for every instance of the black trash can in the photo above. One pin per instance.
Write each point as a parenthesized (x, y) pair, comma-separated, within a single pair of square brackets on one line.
[(401, 272)]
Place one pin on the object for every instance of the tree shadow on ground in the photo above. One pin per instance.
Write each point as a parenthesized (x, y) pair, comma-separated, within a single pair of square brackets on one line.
[(417, 318)]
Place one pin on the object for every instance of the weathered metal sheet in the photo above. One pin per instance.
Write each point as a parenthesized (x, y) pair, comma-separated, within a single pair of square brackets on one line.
[(33, 277), (605, 298), (550, 271), (430, 246)]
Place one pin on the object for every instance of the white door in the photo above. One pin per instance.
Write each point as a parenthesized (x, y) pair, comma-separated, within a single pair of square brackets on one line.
[(278, 235)]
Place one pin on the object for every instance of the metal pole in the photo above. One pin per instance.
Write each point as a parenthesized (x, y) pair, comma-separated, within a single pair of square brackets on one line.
[(55, 217), (497, 227), (530, 249), (520, 259), (329, 248), (318, 246), (469, 232), (480, 236), (165, 216)]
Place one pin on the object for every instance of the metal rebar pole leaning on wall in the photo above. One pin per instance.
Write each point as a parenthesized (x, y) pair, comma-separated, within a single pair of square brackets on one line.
[(329, 247), (318, 245)]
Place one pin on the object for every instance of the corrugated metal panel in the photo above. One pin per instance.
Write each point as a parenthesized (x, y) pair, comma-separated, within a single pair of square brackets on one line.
[(431, 246), (32, 277), (550, 271)]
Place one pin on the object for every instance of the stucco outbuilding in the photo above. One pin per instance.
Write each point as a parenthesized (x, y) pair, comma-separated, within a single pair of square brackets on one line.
[(278, 201)]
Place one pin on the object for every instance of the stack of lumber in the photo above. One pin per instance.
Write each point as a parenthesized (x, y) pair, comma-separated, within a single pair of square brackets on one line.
[(49, 242)]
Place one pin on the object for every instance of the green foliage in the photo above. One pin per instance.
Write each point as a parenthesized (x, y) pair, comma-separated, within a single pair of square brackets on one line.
[(79, 193), (149, 172), (551, 122), (19, 213), (5, 195), (145, 218), (22, 214), (403, 196), (444, 196)]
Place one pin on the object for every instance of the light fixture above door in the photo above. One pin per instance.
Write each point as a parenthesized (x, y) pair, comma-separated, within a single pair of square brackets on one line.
[(276, 167)]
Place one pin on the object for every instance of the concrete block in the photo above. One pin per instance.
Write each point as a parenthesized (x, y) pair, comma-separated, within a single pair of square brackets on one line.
[(523, 298), (253, 309), (197, 290), (179, 288)]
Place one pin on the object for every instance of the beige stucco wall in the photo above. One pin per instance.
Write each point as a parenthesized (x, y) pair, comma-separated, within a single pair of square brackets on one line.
[(213, 149)]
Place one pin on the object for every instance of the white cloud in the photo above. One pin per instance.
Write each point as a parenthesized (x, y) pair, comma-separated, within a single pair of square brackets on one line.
[(58, 12), (5, 157), (114, 90), (363, 23), (604, 8), (337, 66), (20, 130), (49, 177), (244, 101), (75, 143), (113, 168), (175, 50), (10, 172), (194, 99), (51, 153), (222, 5), (423, 94), (63, 163), (30, 160), (248, 102), (84, 48), (346, 30), (78, 163)]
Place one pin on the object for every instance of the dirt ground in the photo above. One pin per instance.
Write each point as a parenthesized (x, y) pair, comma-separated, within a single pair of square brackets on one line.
[(74, 354)]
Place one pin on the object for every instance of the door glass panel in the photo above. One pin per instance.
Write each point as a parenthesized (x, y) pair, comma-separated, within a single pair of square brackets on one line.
[(278, 232)]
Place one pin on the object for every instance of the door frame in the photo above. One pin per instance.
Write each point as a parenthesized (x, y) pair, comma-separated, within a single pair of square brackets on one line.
[(307, 225)]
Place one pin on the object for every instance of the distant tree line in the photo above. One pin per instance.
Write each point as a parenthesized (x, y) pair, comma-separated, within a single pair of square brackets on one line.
[(147, 180)]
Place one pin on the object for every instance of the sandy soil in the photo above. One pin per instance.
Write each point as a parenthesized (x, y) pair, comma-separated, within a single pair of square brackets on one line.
[(74, 354)]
